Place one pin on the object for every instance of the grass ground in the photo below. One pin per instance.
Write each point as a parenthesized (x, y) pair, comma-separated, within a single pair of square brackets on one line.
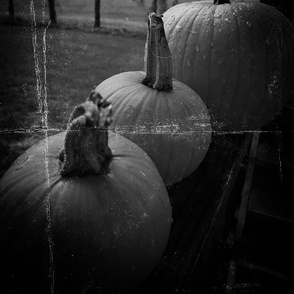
[(73, 61)]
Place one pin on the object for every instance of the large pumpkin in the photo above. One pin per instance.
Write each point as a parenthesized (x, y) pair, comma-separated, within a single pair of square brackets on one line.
[(95, 219), (163, 116), (238, 56)]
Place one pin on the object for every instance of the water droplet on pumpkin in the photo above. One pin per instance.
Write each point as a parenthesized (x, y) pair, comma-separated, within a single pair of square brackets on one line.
[(249, 24), (211, 44), (197, 48), (218, 16), (188, 62), (172, 19), (186, 19)]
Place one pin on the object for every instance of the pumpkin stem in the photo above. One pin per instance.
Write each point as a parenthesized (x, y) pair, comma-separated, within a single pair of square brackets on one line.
[(218, 2), (86, 147), (149, 60), (158, 58)]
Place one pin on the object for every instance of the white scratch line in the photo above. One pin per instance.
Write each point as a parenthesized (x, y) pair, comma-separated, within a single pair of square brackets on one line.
[(43, 109), (280, 160)]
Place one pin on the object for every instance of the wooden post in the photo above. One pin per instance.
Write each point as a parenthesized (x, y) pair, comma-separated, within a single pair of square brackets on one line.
[(162, 6), (52, 11), (11, 9), (153, 7), (158, 6), (97, 23)]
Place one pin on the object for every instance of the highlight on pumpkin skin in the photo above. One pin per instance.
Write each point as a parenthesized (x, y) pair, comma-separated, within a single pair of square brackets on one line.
[(158, 58), (86, 147)]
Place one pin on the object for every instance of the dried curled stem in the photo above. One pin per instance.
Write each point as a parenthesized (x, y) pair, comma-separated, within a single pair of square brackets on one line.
[(86, 147)]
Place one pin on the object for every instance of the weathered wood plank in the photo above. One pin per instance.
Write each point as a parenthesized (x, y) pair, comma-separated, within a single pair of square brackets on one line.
[(199, 212)]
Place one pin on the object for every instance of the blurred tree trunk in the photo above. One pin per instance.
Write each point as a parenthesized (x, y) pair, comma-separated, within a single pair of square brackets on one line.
[(97, 23), (158, 6), (11, 9), (162, 6), (52, 11), (153, 7)]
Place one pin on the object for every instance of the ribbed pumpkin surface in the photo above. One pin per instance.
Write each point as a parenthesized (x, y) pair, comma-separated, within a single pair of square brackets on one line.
[(172, 127), (73, 235), (238, 57)]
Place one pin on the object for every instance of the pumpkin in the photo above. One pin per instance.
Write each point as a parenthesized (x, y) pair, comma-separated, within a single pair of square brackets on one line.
[(238, 56), (93, 218), (163, 116)]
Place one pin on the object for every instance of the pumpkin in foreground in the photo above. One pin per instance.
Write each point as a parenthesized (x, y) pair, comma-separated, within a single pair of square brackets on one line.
[(94, 218), (166, 118), (237, 55)]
